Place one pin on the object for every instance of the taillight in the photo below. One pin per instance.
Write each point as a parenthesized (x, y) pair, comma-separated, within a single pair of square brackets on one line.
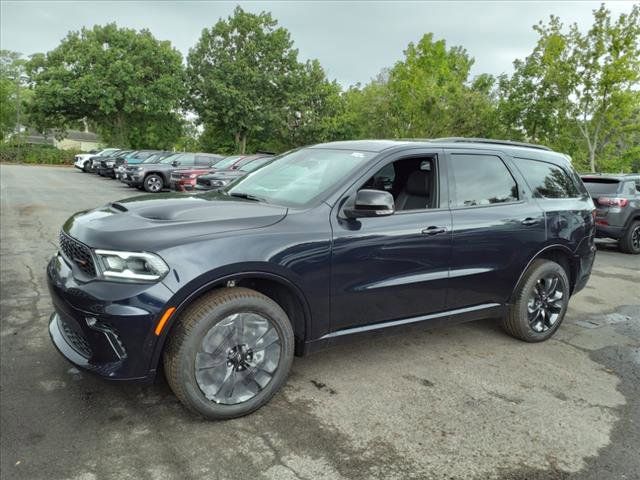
[(613, 202)]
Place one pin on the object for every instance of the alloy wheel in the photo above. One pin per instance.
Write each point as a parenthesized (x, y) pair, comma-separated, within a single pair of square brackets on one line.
[(238, 357), (545, 303), (154, 184)]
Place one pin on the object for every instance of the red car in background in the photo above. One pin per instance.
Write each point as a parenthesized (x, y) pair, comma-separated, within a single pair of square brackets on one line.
[(185, 180)]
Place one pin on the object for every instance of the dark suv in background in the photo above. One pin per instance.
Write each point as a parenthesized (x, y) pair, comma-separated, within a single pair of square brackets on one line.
[(617, 200), (322, 244)]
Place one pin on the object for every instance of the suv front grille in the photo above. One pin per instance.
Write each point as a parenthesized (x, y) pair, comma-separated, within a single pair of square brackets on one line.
[(78, 253), (203, 181)]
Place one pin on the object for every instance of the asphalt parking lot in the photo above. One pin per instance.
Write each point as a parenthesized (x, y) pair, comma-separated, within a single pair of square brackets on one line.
[(466, 402)]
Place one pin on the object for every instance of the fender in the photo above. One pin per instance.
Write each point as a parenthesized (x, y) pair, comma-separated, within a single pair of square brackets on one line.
[(184, 300), (558, 246)]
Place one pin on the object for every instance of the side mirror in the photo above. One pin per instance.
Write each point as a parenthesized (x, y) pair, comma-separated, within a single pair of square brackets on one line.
[(175, 163), (371, 203)]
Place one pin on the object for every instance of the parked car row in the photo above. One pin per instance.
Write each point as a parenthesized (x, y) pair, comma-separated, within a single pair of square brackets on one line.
[(156, 170)]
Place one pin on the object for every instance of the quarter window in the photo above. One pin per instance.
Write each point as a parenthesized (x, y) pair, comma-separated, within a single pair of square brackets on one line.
[(547, 180), (481, 180)]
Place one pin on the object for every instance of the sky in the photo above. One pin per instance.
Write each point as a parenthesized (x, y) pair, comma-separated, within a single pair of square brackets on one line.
[(354, 40)]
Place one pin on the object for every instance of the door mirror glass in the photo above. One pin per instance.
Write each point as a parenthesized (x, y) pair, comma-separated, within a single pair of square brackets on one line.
[(175, 163), (371, 203)]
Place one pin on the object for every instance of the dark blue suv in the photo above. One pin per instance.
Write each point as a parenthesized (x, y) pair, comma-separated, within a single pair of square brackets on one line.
[(324, 243)]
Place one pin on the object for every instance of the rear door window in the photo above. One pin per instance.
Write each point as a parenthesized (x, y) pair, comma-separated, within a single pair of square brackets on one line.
[(481, 180), (547, 180)]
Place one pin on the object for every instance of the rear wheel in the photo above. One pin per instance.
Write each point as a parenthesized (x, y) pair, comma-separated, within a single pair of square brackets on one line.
[(229, 353), (540, 302), (630, 241), (153, 183)]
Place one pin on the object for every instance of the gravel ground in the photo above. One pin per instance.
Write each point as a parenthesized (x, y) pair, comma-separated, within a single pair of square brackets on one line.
[(466, 402)]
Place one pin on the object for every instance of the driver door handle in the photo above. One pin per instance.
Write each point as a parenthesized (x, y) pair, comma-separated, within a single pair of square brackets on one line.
[(530, 221), (434, 230)]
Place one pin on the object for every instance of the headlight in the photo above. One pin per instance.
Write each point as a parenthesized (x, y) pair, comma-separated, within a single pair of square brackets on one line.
[(138, 169), (143, 266), (110, 164), (219, 183)]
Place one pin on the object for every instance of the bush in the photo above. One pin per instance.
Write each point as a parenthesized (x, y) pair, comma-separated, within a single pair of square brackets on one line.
[(36, 154)]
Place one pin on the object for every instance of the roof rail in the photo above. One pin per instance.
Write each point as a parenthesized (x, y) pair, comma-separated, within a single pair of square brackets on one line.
[(490, 141)]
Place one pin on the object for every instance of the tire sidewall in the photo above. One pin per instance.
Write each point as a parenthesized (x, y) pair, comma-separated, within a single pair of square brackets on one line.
[(628, 240), (527, 289), (191, 345)]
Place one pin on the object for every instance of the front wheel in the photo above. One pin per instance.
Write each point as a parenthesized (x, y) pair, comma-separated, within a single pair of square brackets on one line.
[(630, 240), (153, 183), (85, 167), (229, 353), (539, 303)]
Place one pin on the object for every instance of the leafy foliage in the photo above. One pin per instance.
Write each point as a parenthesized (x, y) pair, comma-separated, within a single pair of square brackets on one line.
[(577, 85), (126, 82)]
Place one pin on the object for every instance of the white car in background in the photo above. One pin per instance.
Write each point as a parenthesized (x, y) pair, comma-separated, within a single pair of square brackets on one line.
[(81, 160)]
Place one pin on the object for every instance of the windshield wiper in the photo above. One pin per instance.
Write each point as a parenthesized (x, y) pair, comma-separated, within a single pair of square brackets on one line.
[(247, 196)]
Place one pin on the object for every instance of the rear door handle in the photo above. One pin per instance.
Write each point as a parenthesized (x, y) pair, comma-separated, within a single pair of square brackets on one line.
[(530, 221), (433, 230)]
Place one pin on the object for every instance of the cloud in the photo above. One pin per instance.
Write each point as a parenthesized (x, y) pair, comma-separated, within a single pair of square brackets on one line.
[(352, 40)]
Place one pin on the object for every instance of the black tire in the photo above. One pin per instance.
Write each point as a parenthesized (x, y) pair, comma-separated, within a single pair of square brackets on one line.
[(85, 167), (187, 337), (153, 183), (630, 240), (518, 322)]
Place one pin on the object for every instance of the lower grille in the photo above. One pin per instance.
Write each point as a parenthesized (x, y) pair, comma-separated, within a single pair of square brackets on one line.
[(74, 337), (78, 253)]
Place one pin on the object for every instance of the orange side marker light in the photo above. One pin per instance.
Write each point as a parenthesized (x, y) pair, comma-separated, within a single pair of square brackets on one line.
[(163, 320)]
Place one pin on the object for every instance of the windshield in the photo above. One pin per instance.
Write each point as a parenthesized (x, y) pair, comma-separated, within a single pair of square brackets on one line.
[(179, 157), (300, 177), (152, 158), (251, 166), (227, 162), (107, 152)]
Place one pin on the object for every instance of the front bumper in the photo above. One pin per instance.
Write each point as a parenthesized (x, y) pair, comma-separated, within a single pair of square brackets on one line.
[(132, 179), (106, 172), (183, 184), (105, 327)]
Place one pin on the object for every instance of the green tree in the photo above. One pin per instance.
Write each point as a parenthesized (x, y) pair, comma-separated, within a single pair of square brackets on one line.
[(606, 61), (424, 85), (578, 92), (241, 73), (126, 82), (13, 92), (425, 95)]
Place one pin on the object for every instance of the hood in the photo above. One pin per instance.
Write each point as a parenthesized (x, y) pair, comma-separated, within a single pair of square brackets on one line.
[(154, 222)]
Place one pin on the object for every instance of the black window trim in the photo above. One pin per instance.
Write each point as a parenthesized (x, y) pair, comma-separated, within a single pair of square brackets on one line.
[(571, 176), (522, 197)]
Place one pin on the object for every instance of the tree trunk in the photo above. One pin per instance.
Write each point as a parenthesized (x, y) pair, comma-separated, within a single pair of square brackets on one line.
[(592, 160), (243, 143)]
